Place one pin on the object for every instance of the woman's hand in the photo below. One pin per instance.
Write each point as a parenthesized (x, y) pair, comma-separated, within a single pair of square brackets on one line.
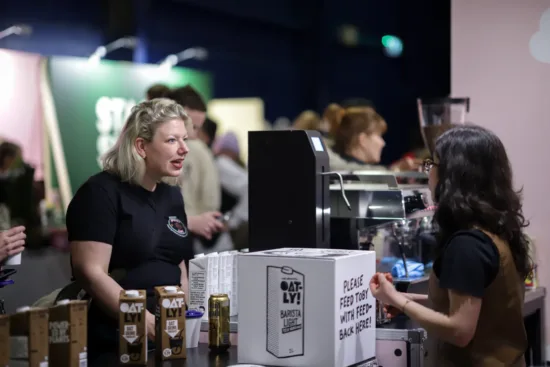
[(150, 321), (206, 224), (407, 164), (383, 290), (12, 242)]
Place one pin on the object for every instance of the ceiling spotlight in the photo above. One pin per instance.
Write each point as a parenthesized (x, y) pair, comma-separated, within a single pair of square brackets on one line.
[(102, 51), (18, 30), (193, 53)]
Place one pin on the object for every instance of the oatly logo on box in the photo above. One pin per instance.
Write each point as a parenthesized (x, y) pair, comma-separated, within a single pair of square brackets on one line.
[(170, 323), (132, 327), (285, 312)]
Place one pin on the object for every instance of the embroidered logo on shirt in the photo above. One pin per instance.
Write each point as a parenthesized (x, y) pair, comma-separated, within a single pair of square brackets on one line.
[(177, 226)]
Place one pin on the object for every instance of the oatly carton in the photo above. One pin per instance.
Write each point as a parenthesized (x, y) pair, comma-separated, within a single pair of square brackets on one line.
[(29, 337), (306, 307), (133, 327), (69, 334), (170, 323), (4, 340)]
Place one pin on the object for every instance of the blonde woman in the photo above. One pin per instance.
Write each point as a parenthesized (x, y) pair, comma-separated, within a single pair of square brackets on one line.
[(131, 217)]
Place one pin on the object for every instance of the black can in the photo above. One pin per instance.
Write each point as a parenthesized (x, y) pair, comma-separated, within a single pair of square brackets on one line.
[(218, 323)]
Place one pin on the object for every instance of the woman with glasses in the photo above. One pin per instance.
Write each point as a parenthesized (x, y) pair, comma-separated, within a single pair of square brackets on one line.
[(477, 287)]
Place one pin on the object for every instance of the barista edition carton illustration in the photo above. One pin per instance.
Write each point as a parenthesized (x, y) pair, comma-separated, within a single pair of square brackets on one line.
[(29, 337), (285, 312), (69, 334), (313, 307), (170, 323), (4, 340), (133, 327)]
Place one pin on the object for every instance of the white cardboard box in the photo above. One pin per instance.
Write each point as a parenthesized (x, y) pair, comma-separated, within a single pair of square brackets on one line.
[(306, 307)]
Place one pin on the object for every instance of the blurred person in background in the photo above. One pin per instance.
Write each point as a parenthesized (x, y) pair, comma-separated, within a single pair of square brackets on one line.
[(200, 183), (157, 91), (332, 115), (234, 181), (307, 120), (207, 132), (358, 140), (18, 202)]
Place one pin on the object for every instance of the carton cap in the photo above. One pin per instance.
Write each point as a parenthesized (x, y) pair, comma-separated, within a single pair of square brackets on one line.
[(22, 309), (244, 250), (170, 289), (198, 255), (132, 293), (212, 254), (64, 302)]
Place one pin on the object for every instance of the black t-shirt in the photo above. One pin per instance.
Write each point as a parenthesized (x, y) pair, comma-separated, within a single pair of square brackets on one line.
[(468, 264), (147, 231)]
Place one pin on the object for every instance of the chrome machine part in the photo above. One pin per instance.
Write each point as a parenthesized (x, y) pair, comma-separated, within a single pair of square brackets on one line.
[(386, 215), (341, 180)]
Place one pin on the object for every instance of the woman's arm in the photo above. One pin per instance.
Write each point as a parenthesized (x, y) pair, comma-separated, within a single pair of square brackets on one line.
[(416, 297), (458, 328), (90, 265)]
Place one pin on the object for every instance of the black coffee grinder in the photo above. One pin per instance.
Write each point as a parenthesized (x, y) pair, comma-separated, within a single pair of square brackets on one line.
[(288, 197)]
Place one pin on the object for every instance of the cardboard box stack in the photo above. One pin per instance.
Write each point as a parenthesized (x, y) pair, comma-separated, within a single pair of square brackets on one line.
[(29, 337), (211, 274), (68, 334)]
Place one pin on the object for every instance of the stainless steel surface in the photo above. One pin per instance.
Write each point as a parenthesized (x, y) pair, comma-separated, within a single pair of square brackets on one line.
[(383, 210), (532, 295), (409, 342)]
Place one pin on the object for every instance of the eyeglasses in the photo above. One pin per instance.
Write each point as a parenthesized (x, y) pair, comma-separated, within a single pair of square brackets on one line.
[(428, 164)]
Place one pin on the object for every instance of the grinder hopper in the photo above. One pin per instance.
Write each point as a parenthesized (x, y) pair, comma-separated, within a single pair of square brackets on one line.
[(437, 115)]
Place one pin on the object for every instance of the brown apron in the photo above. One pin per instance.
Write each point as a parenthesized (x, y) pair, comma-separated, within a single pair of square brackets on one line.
[(500, 338)]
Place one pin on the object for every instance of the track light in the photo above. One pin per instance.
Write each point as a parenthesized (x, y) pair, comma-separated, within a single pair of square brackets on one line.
[(197, 53), (102, 51), (18, 30)]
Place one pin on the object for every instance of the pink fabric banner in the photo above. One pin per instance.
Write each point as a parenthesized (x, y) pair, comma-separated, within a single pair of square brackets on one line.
[(21, 118)]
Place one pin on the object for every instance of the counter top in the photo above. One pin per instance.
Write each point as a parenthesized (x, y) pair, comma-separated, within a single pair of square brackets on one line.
[(531, 297), (196, 357)]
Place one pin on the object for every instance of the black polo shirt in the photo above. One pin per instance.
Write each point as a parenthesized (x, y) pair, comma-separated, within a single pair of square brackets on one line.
[(147, 231)]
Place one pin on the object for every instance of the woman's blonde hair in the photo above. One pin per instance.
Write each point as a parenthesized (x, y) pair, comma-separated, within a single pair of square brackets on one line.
[(122, 159), (307, 120), (357, 120), (333, 115)]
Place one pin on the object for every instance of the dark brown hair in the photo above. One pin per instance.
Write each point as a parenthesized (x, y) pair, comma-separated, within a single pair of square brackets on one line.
[(188, 97), (475, 189), (157, 91), (357, 120)]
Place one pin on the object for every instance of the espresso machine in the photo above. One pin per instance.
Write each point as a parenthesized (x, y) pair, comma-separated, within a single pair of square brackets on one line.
[(393, 219), (296, 201)]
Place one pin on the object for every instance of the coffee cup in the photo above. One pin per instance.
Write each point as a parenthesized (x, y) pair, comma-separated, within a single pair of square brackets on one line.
[(13, 260)]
